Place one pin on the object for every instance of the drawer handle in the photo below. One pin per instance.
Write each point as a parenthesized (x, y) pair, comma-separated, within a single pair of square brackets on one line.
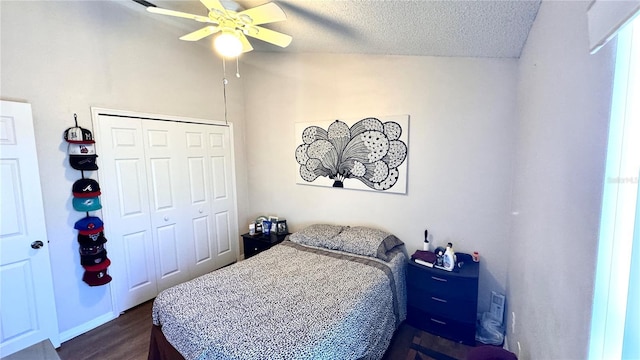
[(438, 321), (439, 279), (438, 299)]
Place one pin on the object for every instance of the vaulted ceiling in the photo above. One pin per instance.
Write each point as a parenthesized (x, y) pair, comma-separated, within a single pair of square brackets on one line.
[(471, 28)]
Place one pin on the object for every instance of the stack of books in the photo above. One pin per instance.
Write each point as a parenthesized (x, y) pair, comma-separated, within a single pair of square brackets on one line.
[(426, 258)]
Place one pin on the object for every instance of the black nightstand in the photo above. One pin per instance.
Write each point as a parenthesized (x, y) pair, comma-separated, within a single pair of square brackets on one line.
[(254, 244), (444, 302)]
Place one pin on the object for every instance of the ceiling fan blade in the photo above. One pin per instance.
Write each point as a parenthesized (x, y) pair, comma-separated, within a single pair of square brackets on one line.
[(270, 36), (246, 45), (200, 34), (263, 14), (161, 11), (215, 6)]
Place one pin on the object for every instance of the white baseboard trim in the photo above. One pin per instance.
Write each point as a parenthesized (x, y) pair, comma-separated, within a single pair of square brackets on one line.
[(90, 325)]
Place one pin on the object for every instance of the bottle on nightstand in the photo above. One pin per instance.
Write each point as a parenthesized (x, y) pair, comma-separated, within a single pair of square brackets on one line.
[(448, 258)]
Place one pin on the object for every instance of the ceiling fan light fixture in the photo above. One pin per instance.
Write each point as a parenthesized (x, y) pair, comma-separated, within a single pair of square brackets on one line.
[(228, 44)]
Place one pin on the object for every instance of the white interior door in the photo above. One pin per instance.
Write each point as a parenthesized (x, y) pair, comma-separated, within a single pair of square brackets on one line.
[(27, 305), (126, 212)]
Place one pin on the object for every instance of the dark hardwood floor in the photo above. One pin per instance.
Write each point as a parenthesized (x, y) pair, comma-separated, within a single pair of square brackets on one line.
[(127, 338)]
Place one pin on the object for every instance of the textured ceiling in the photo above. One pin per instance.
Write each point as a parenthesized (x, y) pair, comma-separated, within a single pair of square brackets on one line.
[(473, 28)]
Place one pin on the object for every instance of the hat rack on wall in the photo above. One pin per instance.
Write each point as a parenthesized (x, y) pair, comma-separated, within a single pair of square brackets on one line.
[(86, 199)]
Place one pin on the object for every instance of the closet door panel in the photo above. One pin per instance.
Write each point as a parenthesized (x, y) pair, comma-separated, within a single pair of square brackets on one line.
[(197, 182), (164, 153), (220, 200), (200, 202), (123, 182), (136, 239), (220, 186), (130, 192), (139, 274), (223, 203), (169, 264), (202, 234), (223, 232), (161, 184)]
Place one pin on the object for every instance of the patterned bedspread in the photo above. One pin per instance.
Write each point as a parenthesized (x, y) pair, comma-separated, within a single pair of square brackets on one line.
[(290, 302)]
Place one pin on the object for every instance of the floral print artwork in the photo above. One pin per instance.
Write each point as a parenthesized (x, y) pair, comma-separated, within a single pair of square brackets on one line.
[(371, 152)]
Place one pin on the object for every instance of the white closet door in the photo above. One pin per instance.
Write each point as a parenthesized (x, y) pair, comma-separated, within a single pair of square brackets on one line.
[(168, 196), (123, 183), (200, 204), (219, 155), (165, 152)]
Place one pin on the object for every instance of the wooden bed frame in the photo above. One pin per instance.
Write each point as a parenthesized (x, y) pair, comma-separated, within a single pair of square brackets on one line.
[(160, 348)]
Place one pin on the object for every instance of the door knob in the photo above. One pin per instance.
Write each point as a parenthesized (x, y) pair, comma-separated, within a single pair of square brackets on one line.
[(37, 244)]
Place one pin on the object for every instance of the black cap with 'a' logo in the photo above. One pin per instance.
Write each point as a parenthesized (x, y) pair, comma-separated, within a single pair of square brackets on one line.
[(86, 188)]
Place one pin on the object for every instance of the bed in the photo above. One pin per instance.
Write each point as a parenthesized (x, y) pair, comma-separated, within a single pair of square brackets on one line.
[(327, 292)]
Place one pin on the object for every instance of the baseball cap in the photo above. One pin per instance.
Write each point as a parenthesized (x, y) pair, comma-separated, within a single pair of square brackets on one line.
[(92, 239), (102, 265), (84, 188), (93, 249), (81, 149), (78, 135), (95, 262), (83, 162), (89, 225), (87, 204), (96, 278)]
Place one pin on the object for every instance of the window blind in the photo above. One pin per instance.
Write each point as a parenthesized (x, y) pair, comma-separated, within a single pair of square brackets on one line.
[(606, 17)]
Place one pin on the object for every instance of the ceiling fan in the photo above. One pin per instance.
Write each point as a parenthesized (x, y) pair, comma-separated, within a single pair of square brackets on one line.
[(234, 27)]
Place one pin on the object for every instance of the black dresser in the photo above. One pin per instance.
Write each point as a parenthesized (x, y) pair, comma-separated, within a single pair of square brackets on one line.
[(443, 302), (254, 244)]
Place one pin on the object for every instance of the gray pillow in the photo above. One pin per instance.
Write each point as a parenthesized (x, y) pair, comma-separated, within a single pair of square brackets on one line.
[(366, 241), (319, 235)]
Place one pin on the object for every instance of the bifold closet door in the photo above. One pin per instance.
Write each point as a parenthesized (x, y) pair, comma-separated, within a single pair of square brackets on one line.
[(126, 210), (223, 193), (168, 190), (212, 199), (169, 202)]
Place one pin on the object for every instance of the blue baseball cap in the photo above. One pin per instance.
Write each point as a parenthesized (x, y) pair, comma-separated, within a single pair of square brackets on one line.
[(89, 225)]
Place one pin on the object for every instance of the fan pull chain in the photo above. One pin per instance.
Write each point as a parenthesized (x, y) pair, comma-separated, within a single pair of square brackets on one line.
[(224, 89), (237, 68)]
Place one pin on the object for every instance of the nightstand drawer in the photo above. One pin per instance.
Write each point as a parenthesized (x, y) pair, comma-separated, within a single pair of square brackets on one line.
[(252, 247), (441, 326), (455, 309), (442, 283), (253, 244)]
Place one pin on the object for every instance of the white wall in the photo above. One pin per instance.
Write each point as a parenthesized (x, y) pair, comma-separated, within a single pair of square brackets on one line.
[(63, 58), (564, 96), (462, 116)]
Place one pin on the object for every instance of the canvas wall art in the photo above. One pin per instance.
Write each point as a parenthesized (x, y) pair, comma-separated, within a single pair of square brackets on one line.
[(363, 154)]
